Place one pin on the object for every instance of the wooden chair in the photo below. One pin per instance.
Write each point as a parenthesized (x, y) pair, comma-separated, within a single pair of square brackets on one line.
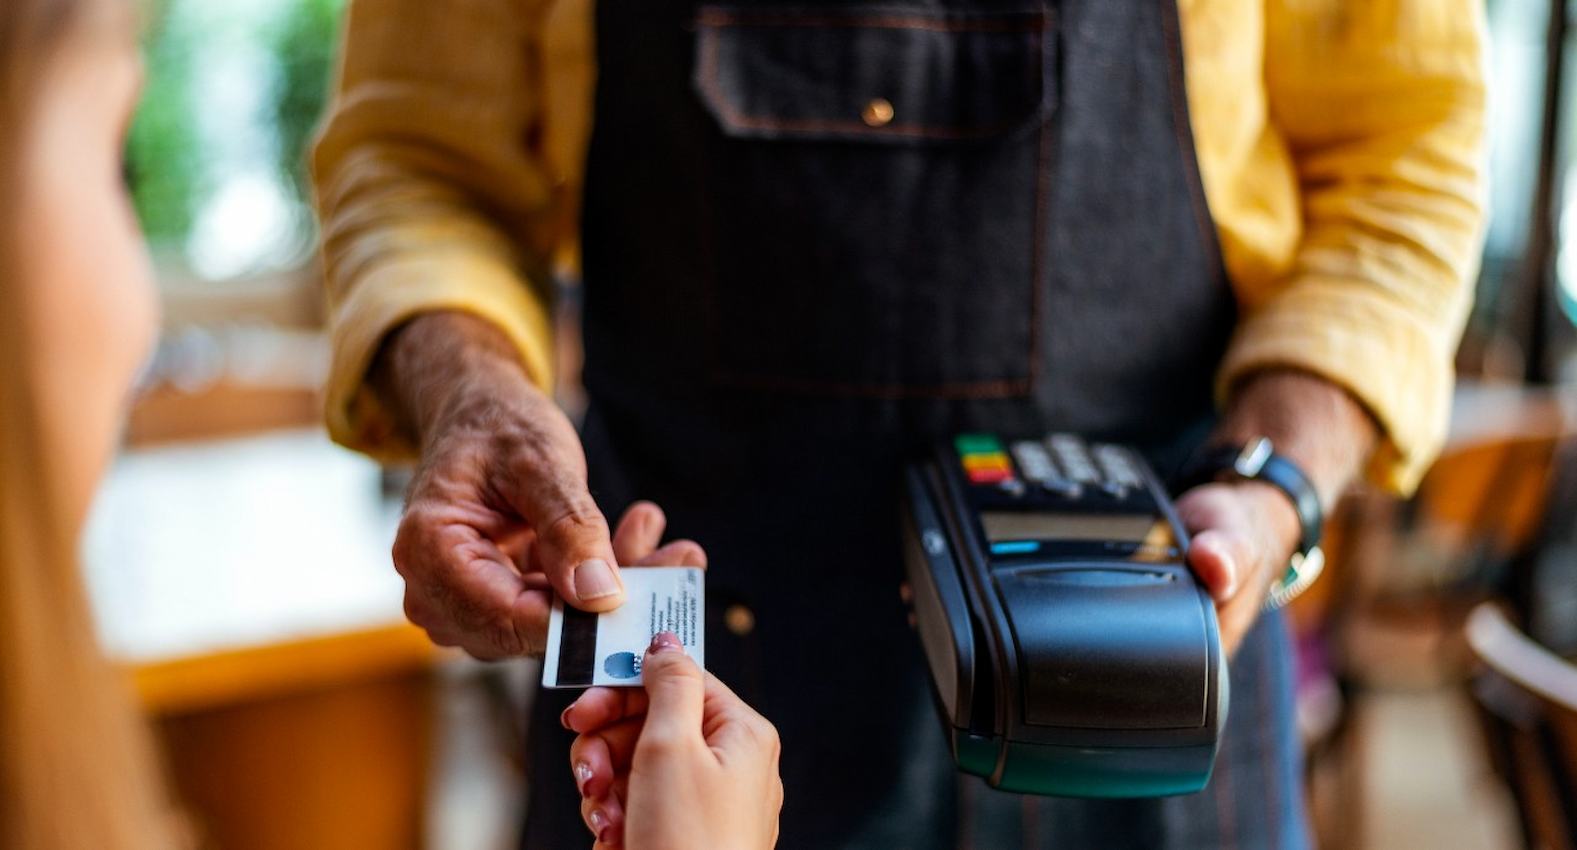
[(1402, 577), (1527, 701)]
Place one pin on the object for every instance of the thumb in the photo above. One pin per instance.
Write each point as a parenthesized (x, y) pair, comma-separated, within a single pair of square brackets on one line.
[(573, 546), (1220, 558), (1218, 552), (676, 691)]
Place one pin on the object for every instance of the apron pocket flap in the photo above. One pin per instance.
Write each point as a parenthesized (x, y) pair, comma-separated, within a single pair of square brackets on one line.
[(874, 75)]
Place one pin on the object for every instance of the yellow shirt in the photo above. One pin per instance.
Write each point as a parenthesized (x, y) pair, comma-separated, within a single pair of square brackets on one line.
[(1340, 143)]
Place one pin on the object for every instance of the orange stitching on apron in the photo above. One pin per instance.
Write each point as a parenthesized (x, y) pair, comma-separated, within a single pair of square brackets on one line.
[(1028, 820)]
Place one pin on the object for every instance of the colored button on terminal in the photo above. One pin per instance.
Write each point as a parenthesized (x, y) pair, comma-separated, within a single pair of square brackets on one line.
[(989, 475), (988, 468), (972, 444), (987, 461), (984, 460)]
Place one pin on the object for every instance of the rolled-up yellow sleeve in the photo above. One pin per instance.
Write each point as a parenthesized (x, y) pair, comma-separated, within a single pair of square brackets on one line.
[(1381, 104), (434, 190)]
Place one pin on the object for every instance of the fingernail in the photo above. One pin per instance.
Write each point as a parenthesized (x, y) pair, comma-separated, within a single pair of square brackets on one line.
[(1231, 569), (599, 822), (665, 642), (582, 776), (564, 717), (646, 519), (594, 579)]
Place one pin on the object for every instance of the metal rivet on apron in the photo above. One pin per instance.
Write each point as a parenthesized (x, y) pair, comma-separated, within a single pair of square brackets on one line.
[(878, 113), (739, 620)]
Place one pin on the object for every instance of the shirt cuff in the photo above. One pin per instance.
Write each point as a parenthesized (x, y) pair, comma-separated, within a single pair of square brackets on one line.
[(397, 291), (1395, 362)]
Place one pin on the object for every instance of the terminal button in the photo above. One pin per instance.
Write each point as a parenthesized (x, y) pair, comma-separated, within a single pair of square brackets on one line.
[(1033, 461), (1073, 458), (974, 444), (984, 461), (989, 475), (1119, 469)]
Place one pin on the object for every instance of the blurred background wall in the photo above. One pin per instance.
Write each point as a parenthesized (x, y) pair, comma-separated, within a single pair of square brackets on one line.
[(239, 561), (240, 566)]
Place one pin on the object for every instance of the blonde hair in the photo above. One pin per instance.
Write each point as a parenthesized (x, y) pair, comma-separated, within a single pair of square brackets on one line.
[(75, 765)]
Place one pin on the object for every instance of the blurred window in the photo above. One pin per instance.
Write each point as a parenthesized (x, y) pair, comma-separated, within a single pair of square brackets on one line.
[(1566, 195), (216, 154), (1516, 73), (216, 162)]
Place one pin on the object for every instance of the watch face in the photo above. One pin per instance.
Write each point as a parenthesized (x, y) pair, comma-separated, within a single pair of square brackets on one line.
[(1251, 460)]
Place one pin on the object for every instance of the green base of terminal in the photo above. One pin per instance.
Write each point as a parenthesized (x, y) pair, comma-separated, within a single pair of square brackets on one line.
[(1108, 772)]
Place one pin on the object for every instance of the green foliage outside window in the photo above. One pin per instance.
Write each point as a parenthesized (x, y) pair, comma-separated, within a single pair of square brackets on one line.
[(234, 92)]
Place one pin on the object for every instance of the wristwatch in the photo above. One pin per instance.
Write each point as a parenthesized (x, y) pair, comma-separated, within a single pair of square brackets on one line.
[(1257, 460)]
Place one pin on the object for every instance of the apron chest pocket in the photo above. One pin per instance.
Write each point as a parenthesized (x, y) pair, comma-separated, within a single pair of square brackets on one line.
[(875, 76), (876, 191)]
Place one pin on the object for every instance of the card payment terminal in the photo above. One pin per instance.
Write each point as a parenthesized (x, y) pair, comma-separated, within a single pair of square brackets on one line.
[(1071, 650)]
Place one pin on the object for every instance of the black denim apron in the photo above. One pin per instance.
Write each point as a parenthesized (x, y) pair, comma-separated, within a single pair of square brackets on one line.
[(818, 237)]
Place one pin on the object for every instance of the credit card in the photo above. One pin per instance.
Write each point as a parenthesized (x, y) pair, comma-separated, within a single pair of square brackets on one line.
[(586, 649)]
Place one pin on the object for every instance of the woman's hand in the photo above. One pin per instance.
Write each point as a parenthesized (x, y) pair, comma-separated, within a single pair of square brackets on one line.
[(683, 763)]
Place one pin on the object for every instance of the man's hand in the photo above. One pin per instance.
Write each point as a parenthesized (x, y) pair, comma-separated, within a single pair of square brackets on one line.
[(1242, 537), (499, 509), (1244, 533)]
